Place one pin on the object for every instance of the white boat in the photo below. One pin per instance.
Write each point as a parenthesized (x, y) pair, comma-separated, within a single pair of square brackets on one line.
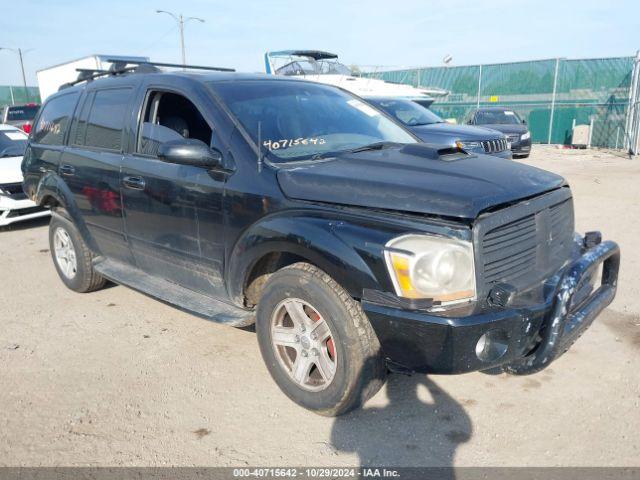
[(324, 67)]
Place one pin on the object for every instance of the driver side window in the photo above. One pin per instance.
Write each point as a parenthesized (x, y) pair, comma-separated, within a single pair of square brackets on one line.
[(170, 116)]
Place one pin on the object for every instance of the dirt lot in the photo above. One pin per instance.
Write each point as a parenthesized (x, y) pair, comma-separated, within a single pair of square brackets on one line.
[(116, 378)]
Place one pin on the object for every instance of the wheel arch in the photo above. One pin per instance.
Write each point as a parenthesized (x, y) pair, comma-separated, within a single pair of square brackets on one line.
[(278, 241), (52, 192)]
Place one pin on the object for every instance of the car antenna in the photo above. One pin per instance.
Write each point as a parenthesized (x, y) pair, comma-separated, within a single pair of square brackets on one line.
[(259, 147)]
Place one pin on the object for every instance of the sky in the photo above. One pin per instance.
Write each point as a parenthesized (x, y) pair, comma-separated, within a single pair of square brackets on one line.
[(399, 33)]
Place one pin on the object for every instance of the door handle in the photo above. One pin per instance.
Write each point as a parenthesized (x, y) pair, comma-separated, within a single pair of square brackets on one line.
[(67, 170), (136, 183)]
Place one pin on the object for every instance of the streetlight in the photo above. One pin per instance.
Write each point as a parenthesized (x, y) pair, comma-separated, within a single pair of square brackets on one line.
[(19, 51), (181, 21)]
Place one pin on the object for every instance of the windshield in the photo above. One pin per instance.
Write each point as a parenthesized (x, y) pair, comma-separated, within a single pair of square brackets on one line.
[(407, 111), (298, 67), (22, 113), (302, 120), (310, 66), (497, 117), (333, 67), (12, 143)]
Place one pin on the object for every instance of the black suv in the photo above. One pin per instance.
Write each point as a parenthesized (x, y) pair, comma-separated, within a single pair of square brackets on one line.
[(355, 249)]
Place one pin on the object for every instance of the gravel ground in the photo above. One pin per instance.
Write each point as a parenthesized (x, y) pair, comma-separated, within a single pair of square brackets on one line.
[(116, 378)]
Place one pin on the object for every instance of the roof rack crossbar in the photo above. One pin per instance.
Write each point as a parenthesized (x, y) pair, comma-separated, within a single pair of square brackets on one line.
[(119, 67), (88, 74), (175, 65)]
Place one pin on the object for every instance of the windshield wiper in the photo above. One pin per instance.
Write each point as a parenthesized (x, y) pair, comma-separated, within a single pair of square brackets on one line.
[(373, 146), (422, 124)]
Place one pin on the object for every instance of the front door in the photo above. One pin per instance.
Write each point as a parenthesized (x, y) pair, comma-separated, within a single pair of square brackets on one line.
[(161, 199)]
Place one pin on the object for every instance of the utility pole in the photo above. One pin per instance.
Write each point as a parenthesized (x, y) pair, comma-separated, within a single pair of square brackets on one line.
[(181, 20), (24, 77)]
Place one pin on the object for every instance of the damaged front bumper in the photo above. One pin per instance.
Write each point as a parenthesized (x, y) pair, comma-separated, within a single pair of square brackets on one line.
[(18, 209), (525, 339)]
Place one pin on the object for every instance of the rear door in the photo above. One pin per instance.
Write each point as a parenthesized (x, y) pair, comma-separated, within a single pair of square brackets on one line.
[(91, 166), (163, 201), (46, 143)]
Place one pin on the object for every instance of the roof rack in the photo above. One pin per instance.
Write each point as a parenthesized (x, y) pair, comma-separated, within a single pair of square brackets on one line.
[(173, 65), (88, 74), (119, 67)]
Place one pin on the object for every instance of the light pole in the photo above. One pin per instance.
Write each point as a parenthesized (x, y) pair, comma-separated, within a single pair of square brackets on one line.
[(24, 78), (181, 20)]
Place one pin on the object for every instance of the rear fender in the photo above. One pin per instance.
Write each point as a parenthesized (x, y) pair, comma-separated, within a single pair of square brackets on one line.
[(52, 189)]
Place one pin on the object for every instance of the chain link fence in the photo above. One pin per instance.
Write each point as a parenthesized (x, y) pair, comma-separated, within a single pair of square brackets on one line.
[(552, 95), (11, 95)]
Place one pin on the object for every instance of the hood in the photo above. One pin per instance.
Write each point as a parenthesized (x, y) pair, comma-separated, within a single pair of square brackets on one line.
[(412, 178), (508, 128), (10, 171), (456, 132)]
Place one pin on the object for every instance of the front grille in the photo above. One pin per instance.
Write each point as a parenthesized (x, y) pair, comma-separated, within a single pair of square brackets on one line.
[(494, 146), (528, 245), (14, 190), (510, 250)]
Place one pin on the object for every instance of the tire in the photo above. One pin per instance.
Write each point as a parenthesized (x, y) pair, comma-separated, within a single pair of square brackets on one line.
[(78, 276), (351, 354)]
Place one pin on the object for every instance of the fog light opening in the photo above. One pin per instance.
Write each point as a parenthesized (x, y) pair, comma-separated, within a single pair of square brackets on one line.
[(492, 345)]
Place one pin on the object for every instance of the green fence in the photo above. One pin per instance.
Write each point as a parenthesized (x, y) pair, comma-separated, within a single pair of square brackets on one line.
[(12, 95), (584, 91)]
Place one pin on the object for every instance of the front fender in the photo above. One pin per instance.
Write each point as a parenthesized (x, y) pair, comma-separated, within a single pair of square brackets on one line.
[(52, 187), (349, 252)]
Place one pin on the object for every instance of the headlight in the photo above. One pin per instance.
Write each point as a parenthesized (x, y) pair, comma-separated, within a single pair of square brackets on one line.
[(467, 145), (424, 266), (525, 136)]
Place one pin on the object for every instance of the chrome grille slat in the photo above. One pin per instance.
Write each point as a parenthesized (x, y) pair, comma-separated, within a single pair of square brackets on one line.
[(494, 146)]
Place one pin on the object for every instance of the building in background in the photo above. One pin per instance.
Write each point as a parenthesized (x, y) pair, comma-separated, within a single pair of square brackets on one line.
[(50, 79)]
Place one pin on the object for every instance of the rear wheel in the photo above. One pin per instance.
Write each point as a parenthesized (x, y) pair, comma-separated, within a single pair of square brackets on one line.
[(72, 257), (317, 342)]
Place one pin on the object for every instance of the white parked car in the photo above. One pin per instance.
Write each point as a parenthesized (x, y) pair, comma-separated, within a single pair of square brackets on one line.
[(14, 204)]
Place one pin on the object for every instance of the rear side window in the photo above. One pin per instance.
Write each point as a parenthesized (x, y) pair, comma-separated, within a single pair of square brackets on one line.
[(107, 119), (54, 120)]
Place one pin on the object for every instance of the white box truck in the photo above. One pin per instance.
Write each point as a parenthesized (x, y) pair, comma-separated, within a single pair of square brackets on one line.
[(52, 78)]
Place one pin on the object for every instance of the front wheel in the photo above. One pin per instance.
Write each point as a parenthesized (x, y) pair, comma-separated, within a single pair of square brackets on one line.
[(317, 342)]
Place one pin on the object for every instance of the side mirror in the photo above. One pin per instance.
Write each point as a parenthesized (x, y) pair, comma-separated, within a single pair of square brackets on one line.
[(524, 121), (189, 151)]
